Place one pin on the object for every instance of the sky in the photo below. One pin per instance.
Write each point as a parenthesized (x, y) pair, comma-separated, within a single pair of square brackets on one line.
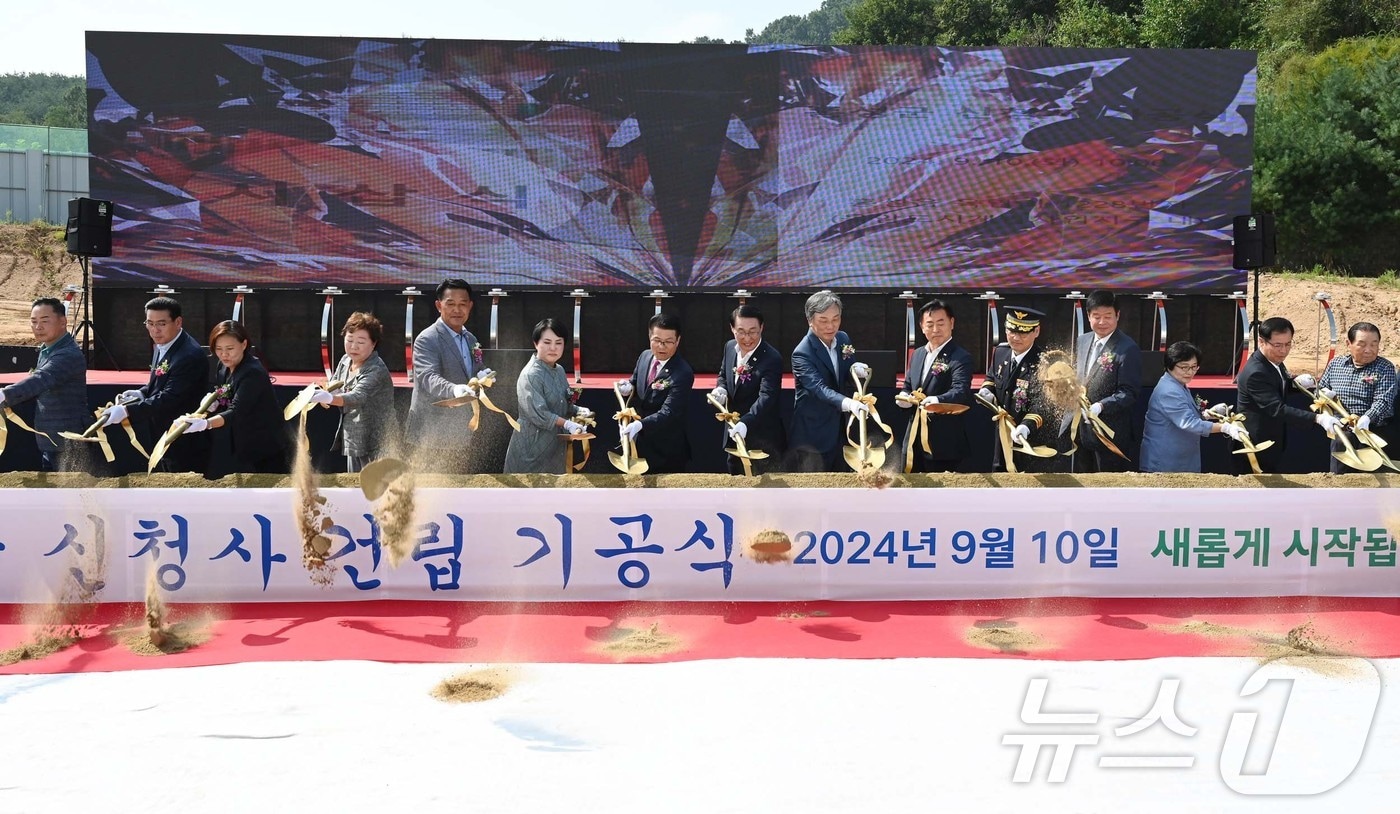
[(48, 37)]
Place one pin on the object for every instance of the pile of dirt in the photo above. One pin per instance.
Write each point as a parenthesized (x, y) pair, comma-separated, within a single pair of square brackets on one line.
[(1301, 646), (33, 264), (769, 546), (479, 685), (60, 623), (1004, 636), (632, 643)]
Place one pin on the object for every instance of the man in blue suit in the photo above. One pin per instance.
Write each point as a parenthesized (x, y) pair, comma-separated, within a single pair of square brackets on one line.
[(179, 376), (662, 381), (1109, 365), (751, 378), (822, 365), (942, 371), (58, 385)]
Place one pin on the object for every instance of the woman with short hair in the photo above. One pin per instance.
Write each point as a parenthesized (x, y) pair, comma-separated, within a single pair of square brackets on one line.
[(1174, 427), (546, 409)]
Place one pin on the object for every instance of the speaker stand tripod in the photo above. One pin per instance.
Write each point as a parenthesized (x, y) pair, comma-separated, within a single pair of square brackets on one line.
[(85, 332)]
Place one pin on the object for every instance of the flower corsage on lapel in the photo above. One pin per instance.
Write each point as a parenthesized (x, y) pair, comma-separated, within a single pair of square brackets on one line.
[(477, 355), (575, 393), (1107, 362), (1019, 397), (162, 368), (742, 373), (1369, 379), (847, 351), (661, 384), (222, 399), (939, 367), (1201, 406)]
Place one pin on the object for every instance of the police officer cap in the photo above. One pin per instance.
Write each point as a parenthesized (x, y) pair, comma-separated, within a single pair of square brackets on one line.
[(1023, 320)]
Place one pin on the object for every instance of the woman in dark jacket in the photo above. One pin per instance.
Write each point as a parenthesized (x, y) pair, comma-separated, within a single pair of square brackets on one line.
[(254, 438)]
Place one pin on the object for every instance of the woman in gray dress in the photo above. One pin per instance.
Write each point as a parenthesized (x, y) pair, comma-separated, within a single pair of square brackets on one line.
[(366, 401), (545, 408)]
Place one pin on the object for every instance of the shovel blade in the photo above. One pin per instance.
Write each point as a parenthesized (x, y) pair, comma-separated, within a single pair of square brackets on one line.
[(377, 475)]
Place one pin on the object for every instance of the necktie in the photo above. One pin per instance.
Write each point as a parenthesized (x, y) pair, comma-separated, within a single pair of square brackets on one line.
[(655, 369), (155, 357), (1094, 353)]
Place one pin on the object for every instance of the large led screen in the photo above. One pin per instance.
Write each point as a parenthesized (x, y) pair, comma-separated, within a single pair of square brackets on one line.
[(308, 161)]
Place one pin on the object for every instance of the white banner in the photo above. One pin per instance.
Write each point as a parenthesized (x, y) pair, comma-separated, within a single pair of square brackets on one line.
[(538, 545)]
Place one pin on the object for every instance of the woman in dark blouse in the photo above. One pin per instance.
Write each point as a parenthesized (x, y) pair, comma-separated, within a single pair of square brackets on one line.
[(251, 436)]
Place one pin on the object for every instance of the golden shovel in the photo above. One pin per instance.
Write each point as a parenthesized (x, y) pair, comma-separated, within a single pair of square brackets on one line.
[(177, 429), (1366, 458), (860, 455), (628, 461), (302, 401), (97, 433), (740, 450)]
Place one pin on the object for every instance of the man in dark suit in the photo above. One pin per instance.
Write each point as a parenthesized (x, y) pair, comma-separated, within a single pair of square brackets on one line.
[(1014, 383), (1263, 385), (179, 374), (58, 385), (662, 381), (1109, 364), (445, 357), (942, 371), (751, 378), (822, 364)]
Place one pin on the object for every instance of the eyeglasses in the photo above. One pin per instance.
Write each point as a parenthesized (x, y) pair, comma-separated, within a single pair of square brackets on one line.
[(163, 323), (1280, 345), (665, 343), (1188, 368), (751, 332)]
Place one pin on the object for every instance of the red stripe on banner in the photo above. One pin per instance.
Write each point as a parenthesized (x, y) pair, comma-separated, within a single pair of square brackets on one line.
[(483, 632)]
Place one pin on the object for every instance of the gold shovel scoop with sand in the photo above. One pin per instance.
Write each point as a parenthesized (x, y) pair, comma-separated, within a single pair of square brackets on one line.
[(1367, 458), (627, 461), (97, 433), (584, 440), (177, 429), (740, 450), (1009, 442), (862, 456), (1222, 413), (303, 403)]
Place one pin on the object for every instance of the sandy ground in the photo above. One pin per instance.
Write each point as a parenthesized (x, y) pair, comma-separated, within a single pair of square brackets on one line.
[(23, 277)]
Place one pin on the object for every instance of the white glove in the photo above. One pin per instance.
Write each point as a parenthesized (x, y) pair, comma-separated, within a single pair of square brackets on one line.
[(459, 390), (1328, 423), (1305, 380), (860, 370), (1363, 423), (130, 395), (986, 394), (116, 414), (1095, 409), (485, 373), (739, 431), (625, 388), (902, 400), (929, 400), (1327, 392), (720, 395), (324, 397), (1020, 433), (1221, 409), (1232, 430), (574, 428), (855, 408), (583, 412), (196, 424), (632, 430)]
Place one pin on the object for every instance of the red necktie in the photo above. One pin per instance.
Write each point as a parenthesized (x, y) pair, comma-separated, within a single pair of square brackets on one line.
[(655, 369)]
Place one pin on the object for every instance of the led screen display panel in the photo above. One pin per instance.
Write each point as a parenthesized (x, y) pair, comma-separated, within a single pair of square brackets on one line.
[(378, 163)]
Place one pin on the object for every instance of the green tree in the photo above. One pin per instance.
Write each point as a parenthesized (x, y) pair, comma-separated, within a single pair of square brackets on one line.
[(1195, 23), (1091, 24), (1327, 156), (71, 111), (817, 27), (25, 98)]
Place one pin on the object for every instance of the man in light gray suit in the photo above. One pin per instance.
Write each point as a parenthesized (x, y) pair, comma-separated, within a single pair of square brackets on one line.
[(445, 357)]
